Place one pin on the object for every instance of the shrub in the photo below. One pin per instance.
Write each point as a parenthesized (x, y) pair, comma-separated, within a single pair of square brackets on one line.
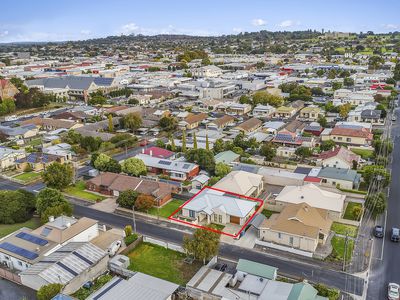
[(47, 292), (128, 230), (130, 239)]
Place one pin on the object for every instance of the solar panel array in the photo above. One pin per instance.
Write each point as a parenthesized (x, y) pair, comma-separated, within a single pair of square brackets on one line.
[(165, 162), (19, 251), (186, 166), (31, 238), (285, 138), (46, 231)]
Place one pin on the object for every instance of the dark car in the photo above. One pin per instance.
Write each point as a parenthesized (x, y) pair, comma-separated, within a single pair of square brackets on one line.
[(378, 231)]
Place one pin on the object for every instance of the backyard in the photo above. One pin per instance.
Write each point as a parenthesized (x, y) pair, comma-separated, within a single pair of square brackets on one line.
[(349, 212), (342, 229), (78, 190), (163, 263), (364, 153), (28, 176), (6, 229), (167, 209)]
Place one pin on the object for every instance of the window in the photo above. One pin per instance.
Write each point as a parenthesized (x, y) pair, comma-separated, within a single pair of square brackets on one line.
[(6, 257), (220, 218), (191, 213), (324, 181), (291, 240), (20, 263), (215, 218), (279, 235), (339, 138), (348, 139)]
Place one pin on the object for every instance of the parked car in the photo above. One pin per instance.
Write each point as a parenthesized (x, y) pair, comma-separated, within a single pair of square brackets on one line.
[(112, 250), (143, 143), (378, 231), (395, 235), (393, 291), (394, 118)]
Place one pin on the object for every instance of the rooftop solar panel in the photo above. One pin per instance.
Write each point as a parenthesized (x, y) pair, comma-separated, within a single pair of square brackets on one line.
[(18, 251), (186, 166), (67, 268), (46, 231), (82, 258), (31, 238), (165, 162)]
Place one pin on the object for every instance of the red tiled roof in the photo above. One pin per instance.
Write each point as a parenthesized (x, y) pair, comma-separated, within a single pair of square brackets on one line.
[(341, 152), (364, 133), (312, 179), (158, 152)]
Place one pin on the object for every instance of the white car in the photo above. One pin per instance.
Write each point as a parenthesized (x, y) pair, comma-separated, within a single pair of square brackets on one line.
[(114, 248), (393, 291)]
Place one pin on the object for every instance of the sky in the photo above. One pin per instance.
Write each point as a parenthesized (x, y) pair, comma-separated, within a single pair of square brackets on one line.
[(60, 20)]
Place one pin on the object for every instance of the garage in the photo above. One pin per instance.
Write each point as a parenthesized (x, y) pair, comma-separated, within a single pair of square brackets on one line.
[(235, 220)]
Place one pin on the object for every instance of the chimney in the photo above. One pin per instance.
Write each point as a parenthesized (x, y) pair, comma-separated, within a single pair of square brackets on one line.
[(68, 224), (51, 218), (151, 152), (143, 150)]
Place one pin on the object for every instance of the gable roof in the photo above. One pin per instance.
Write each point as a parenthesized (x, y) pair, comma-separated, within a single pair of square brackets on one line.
[(209, 200), (166, 164), (339, 173), (313, 196), (240, 182), (226, 157), (158, 152), (225, 119), (250, 124), (352, 132), (256, 269), (191, 119), (342, 153)]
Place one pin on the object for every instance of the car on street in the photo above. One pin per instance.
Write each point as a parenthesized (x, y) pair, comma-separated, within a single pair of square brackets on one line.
[(394, 118), (393, 291), (395, 235), (378, 231)]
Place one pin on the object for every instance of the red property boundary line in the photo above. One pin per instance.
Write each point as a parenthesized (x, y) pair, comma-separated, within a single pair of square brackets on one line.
[(261, 202)]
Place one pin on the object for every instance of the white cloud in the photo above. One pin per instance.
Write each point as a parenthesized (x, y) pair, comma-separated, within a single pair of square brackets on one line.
[(237, 30), (85, 32), (128, 29), (3, 33), (286, 23), (391, 26), (258, 22)]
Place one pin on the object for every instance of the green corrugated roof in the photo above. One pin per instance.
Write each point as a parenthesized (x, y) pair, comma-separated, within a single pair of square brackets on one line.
[(226, 157), (304, 291), (256, 269)]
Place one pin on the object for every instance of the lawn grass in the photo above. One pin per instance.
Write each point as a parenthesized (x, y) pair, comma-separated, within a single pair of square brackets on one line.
[(364, 153), (28, 176), (338, 248), (35, 142), (268, 213), (218, 227), (6, 229), (167, 209), (78, 191), (348, 214), (342, 229), (163, 263)]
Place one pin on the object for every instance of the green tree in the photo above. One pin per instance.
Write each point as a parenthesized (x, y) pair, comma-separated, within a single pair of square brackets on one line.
[(376, 204), (184, 141), (320, 73), (336, 85), (7, 105), (126, 199), (374, 171), (347, 82), (58, 176), (203, 245), (134, 166), (222, 169), (327, 145), (168, 123), (49, 291), (97, 100), (322, 121), (172, 142), (268, 151), (194, 141), (219, 146), (206, 61), (244, 99), (131, 121), (110, 123), (207, 143), (263, 97), (144, 202), (102, 162), (50, 202), (16, 206), (382, 147), (344, 110), (303, 152), (204, 158)]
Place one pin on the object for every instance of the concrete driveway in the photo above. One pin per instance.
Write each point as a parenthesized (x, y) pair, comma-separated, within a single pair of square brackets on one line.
[(107, 205), (246, 241)]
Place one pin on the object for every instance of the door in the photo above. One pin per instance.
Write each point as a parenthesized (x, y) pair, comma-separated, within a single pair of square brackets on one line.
[(235, 220)]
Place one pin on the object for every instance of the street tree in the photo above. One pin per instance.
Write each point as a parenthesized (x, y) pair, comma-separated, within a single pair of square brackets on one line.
[(144, 202), (16, 206), (51, 202), (376, 172), (126, 199), (376, 203), (203, 245), (58, 176)]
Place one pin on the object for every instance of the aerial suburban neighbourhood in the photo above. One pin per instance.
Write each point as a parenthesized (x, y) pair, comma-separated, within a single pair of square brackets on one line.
[(150, 153)]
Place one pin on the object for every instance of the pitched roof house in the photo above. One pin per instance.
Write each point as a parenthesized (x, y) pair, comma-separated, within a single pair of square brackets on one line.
[(7, 89), (338, 157), (249, 125), (241, 183)]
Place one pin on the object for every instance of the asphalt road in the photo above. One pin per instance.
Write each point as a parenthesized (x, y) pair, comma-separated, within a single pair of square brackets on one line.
[(386, 270), (286, 266)]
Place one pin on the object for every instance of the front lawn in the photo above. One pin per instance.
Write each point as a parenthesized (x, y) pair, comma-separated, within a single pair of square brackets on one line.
[(78, 190), (167, 209), (364, 153), (348, 214), (343, 229), (28, 176), (163, 263), (218, 227), (268, 213), (338, 248), (6, 229)]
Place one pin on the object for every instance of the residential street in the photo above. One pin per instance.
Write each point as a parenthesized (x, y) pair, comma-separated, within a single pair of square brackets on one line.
[(386, 270)]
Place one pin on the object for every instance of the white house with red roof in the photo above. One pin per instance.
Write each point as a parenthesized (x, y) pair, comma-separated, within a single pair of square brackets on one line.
[(338, 157), (159, 152)]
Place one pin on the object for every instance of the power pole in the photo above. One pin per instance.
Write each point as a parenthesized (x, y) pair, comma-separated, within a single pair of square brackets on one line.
[(134, 219)]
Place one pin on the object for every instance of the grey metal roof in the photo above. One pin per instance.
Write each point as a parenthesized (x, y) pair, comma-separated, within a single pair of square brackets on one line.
[(72, 82), (338, 173)]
